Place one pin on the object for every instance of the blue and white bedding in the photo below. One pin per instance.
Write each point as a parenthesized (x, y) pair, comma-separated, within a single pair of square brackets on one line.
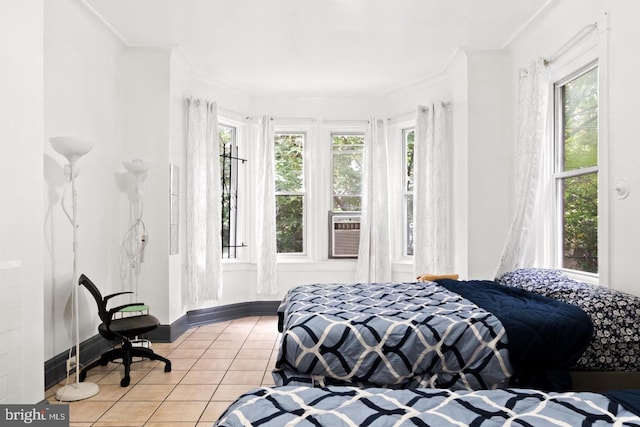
[(428, 334), (615, 345), (347, 406), (394, 335)]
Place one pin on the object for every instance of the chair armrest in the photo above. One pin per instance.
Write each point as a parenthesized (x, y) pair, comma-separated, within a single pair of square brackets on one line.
[(120, 307), (108, 297)]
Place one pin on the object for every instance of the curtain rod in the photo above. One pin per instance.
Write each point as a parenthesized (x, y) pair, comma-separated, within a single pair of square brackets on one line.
[(585, 31), (294, 119), (191, 99), (404, 116), (411, 114), (239, 116)]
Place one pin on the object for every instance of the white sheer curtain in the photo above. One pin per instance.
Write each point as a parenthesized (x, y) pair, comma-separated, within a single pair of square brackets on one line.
[(374, 258), (430, 192), (203, 251), (533, 97), (266, 210)]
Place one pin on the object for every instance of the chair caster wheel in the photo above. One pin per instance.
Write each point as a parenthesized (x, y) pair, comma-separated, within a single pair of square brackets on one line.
[(167, 367), (124, 382)]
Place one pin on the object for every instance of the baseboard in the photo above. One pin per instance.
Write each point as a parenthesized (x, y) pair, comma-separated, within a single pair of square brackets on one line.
[(203, 316), (55, 368), (232, 311), (169, 333)]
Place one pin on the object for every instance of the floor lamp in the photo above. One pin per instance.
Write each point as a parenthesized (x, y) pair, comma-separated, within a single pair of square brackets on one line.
[(135, 236), (72, 149)]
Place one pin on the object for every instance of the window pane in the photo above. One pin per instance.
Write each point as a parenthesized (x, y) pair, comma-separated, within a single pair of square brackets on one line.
[(409, 224), (347, 172), (409, 135), (225, 135), (288, 162), (348, 142), (580, 223), (290, 224), (226, 139), (347, 203), (580, 121)]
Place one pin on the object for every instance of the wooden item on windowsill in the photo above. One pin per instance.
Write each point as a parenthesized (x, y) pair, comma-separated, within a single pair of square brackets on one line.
[(432, 277)]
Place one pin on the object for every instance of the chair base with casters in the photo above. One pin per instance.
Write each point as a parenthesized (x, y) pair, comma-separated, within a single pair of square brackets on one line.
[(125, 329), (120, 353)]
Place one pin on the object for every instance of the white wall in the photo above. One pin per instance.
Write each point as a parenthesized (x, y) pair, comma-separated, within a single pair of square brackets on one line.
[(21, 248), (482, 122), (624, 151), (146, 129), (319, 107), (82, 97), (405, 99), (179, 91), (458, 72), (489, 151), (545, 36)]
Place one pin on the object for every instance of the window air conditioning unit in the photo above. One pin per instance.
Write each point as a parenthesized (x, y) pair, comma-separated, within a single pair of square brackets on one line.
[(344, 235)]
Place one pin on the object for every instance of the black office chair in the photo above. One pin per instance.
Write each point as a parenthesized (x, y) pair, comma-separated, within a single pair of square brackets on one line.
[(124, 329)]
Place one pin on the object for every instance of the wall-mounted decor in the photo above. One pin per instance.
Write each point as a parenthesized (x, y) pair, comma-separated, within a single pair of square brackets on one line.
[(136, 238), (174, 203)]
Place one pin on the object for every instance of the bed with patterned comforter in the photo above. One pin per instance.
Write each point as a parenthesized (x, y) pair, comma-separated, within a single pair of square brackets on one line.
[(409, 335), (349, 406), (615, 345)]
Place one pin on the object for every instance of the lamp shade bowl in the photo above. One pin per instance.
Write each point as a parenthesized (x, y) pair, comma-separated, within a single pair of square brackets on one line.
[(137, 166), (71, 147)]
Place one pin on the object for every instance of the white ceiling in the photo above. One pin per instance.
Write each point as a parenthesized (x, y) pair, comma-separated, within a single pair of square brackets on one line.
[(317, 47)]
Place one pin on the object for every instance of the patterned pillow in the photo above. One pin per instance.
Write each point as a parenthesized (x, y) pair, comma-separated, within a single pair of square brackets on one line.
[(615, 315), (551, 283)]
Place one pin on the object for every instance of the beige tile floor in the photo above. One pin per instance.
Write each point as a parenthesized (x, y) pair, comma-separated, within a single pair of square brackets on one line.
[(211, 366)]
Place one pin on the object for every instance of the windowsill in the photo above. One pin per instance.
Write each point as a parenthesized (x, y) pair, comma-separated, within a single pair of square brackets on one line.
[(234, 264), (292, 258), (580, 276)]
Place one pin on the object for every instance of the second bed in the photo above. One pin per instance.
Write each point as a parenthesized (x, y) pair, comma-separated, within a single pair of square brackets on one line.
[(456, 335)]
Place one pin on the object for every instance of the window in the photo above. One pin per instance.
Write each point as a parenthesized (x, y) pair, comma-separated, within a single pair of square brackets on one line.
[(408, 138), (576, 170), (229, 163), (348, 151), (290, 192)]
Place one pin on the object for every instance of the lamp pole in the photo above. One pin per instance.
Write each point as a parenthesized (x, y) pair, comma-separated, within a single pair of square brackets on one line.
[(73, 149)]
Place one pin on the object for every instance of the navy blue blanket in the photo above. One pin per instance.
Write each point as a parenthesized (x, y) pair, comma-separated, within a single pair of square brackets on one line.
[(630, 399), (546, 336)]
